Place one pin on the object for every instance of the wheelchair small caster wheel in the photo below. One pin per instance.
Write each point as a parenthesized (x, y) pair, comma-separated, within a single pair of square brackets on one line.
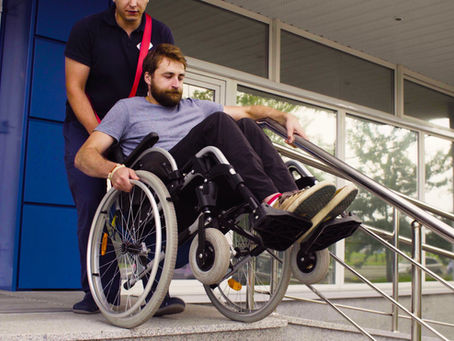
[(211, 267), (309, 268)]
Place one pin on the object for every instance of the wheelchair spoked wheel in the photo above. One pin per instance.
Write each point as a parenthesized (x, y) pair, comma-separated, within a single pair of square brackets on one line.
[(309, 268), (256, 286), (132, 249)]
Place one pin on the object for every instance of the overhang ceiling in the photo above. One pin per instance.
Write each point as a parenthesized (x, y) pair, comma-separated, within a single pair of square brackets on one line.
[(418, 34)]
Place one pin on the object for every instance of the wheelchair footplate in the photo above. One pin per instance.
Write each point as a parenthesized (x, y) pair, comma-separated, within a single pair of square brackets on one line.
[(332, 231), (279, 229)]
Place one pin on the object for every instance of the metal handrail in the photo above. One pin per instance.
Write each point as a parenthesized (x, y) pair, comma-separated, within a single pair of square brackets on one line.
[(411, 207), (307, 160), (402, 254), (388, 297), (407, 241), (365, 310), (348, 172)]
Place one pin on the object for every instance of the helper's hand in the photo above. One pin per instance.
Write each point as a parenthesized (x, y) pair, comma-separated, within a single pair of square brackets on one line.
[(121, 177), (293, 127)]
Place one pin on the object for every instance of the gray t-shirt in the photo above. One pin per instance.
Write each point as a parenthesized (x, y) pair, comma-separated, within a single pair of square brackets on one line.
[(131, 119)]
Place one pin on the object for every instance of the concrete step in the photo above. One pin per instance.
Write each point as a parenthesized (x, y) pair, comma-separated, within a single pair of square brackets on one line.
[(196, 323), (323, 331)]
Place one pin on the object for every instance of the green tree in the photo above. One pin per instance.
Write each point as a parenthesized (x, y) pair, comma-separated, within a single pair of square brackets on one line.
[(438, 171), (388, 155), (203, 94), (382, 153), (244, 99), (308, 115)]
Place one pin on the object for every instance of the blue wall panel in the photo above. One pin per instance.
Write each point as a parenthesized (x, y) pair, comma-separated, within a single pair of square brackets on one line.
[(56, 17), (48, 93), (16, 22), (45, 174), (32, 86), (49, 257)]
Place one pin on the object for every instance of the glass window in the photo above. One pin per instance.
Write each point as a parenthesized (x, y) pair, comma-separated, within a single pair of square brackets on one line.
[(215, 35), (439, 172), (319, 123), (388, 155), (319, 68), (442, 266), (428, 104), (439, 193)]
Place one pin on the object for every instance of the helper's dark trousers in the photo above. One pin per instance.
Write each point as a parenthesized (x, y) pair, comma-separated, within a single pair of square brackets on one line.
[(87, 192)]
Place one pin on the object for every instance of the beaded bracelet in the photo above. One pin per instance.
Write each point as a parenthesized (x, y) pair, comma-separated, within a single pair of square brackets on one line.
[(117, 167)]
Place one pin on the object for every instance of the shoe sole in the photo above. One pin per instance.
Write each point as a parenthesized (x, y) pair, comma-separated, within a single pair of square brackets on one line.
[(170, 309), (86, 312), (338, 204), (312, 200)]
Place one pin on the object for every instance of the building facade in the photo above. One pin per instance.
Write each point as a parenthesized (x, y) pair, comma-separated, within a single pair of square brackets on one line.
[(391, 123)]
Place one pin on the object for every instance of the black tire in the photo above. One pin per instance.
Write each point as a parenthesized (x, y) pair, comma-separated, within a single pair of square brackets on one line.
[(311, 268), (218, 256)]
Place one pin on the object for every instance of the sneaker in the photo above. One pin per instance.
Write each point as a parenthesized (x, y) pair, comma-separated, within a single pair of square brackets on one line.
[(170, 305), (86, 306), (307, 202), (339, 203)]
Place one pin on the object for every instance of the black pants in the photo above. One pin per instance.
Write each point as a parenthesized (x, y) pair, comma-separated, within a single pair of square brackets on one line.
[(245, 146)]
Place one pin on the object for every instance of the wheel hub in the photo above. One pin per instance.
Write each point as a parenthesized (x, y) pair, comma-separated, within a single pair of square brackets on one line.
[(132, 248), (306, 262), (205, 259)]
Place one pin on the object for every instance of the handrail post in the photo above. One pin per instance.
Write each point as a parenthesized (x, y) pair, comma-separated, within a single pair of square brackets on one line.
[(395, 269), (416, 283)]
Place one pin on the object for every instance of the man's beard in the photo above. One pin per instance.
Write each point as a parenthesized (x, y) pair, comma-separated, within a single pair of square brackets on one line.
[(167, 98)]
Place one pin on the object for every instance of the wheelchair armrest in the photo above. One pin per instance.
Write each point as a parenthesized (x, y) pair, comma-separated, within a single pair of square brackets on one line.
[(115, 154), (147, 142)]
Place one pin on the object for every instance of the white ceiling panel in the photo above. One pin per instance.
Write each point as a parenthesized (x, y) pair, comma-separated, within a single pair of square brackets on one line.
[(423, 41)]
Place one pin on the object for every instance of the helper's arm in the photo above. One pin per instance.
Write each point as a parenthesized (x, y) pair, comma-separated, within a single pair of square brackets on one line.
[(76, 78), (258, 112), (90, 160)]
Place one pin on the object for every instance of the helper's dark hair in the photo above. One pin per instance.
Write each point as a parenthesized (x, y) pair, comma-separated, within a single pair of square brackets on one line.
[(155, 56)]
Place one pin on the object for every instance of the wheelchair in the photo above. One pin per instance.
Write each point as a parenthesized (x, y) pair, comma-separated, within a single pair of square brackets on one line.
[(242, 251)]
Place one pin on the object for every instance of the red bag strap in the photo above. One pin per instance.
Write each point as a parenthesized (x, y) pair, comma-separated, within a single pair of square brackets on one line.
[(143, 52)]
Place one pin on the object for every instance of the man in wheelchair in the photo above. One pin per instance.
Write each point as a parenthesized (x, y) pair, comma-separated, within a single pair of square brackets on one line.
[(185, 126)]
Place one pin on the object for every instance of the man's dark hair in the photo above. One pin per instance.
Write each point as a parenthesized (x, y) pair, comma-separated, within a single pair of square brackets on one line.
[(155, 56)]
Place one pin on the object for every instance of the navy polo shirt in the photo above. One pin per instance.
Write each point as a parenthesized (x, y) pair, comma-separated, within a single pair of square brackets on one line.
[(98, 42)]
